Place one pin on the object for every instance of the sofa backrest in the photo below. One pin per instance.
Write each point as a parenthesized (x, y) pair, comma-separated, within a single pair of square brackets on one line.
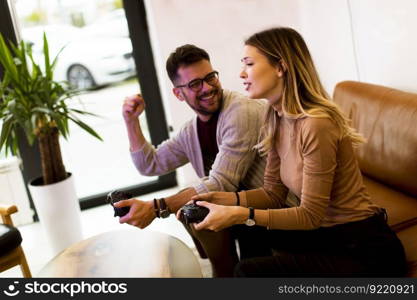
[(387, 118)]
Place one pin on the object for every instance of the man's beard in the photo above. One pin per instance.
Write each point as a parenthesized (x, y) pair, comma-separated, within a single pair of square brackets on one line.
[(218, 93)]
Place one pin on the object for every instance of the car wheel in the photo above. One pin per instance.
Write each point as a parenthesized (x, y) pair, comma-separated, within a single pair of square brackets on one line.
[(79, 77)]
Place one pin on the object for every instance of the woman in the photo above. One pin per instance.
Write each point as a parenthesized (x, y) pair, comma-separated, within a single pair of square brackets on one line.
[(336, 230)]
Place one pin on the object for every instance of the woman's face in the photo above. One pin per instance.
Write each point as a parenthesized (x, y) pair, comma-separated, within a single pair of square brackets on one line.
[(261, 79)]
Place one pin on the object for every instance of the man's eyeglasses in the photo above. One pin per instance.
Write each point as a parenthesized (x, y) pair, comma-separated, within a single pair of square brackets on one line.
[(196, 84)]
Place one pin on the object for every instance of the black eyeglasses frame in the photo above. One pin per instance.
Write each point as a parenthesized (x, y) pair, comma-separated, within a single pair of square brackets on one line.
[(200, 80)]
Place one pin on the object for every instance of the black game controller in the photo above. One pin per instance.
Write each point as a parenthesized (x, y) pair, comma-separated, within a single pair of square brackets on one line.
[(193, 213), (117, 196)]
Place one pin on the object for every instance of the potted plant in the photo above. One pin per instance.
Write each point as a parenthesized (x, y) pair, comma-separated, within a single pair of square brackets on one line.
[(32, 101)]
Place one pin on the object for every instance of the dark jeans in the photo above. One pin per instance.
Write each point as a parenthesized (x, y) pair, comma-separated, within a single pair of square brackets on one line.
[(220, 249), (367, 248)]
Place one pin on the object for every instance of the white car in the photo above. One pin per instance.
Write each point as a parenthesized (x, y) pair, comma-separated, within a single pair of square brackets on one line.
[(86, 60)]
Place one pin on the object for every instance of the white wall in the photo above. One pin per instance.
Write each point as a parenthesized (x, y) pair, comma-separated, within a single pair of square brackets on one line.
[(366, 40), (386, 42), (326, 28), (218, 26)]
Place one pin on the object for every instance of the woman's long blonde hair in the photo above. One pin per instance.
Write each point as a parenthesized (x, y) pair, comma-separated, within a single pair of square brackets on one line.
[(303, 93)]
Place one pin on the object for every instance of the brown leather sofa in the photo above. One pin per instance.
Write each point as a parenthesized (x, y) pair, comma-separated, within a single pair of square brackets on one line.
[(388, 120)]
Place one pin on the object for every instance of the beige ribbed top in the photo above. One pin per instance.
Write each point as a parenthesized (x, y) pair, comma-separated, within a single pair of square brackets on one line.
[(310, 159)]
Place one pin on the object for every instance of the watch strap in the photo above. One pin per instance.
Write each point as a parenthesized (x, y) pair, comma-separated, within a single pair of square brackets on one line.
[(251, 213), (163, 209), (251, 218), (162, 204), (156, 208)]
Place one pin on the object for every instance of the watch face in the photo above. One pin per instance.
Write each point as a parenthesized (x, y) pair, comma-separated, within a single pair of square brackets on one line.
[(164, 213), (250, 222)]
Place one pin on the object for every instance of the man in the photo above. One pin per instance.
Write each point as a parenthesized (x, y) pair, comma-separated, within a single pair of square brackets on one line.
[(218, 143)]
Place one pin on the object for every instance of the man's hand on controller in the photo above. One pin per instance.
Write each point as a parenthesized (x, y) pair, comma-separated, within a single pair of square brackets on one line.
[(141, 213)]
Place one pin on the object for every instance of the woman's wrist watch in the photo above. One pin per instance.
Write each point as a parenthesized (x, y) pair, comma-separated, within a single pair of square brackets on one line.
[(250, 221)]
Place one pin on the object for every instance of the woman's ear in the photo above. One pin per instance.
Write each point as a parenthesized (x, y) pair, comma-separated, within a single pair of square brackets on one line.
[(279, 71), (281, 68)]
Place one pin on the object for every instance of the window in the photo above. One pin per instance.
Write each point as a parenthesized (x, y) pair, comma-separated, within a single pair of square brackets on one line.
[(100, 56)]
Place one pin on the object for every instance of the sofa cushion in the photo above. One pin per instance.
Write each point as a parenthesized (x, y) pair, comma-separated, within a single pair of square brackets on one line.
[(388, 120), (401, 208)]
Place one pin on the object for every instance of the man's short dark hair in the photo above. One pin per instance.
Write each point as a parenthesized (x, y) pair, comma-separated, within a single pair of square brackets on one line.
[(184, 56)]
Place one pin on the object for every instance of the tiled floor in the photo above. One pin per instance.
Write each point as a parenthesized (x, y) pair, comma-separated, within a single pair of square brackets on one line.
[(96, 220)]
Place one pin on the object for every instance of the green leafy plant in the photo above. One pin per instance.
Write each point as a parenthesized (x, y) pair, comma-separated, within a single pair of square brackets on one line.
[(32, 102)]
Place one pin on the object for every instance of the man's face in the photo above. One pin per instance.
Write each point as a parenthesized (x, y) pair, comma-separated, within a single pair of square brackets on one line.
[(204, 99)]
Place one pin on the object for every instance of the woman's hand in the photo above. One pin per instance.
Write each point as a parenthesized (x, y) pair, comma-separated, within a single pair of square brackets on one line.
[(221, 216), (223, 199)]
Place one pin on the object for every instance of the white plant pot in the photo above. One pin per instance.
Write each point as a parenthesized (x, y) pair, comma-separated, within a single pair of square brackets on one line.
[(59, 212)]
